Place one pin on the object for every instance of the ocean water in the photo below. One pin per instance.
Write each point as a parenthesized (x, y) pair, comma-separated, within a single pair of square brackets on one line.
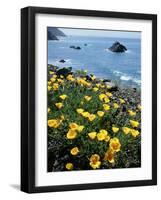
[(125, 68)]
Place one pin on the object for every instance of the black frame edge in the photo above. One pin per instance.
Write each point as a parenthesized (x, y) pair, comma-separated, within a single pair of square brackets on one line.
[(24, 100), (154, 99), (27, 101), (92, 13)]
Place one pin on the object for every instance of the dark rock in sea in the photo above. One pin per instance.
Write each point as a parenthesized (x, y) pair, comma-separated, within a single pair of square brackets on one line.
[(85, 44), (78, 48), (64, 71), (74, 47), (62, 61), (118, 48), (106, 80)]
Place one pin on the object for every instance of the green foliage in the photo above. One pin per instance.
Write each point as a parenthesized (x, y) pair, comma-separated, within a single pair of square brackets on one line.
[(59, 145)]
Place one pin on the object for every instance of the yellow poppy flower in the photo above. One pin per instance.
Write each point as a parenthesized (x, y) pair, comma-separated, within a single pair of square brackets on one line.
[(115, 144), (126, 130), (53, 123), (115, 129), (95, 161), (109, 94), (63, 96), (60, 80), (55, 86), (81, 81), (102, 135), (85, 114), (108, 86), (131, 113), (98, 85), (93, 78), (103, 131), (72, 134), (92, 135), (134, 124), (53, 79), (49, 88), (49, 110), (80, 110), (88, 98), (139, 107), (54, 76), (49, 82), (87, 84), (73, 126), (100, 113), (102, 86), (69, 166), (74, 151), (122, 101), (115, 105), (62, 117), (106, 107), (61, 76), (102, 96), (51, 72), (91, 117), (107, 138), (80, 128), (59, 105), (134, 132), (109, 156), (70, 77), (95, 89), (106, 100)]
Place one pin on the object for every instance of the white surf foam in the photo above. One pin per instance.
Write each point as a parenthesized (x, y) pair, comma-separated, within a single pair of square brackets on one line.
[(125, 77)]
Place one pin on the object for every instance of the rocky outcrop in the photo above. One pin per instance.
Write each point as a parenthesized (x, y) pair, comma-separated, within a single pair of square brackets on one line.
[(51, 36), (53, 33), (52, 68), (118, 48), (64, 71)]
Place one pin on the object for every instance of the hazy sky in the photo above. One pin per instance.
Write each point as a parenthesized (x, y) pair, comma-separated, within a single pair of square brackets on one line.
[(101, 33)]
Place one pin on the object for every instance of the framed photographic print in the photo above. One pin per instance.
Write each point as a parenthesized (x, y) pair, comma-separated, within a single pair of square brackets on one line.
[(88, 99)]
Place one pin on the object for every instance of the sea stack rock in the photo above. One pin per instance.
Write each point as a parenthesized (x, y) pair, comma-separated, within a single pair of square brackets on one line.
[(62, 61), (118, 48)]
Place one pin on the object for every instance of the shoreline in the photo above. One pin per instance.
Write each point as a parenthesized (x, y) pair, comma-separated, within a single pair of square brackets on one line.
[(110, 81), (119, 78)]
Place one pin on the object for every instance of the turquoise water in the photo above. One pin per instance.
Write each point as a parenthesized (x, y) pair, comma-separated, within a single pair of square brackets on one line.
[(125, 68)]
